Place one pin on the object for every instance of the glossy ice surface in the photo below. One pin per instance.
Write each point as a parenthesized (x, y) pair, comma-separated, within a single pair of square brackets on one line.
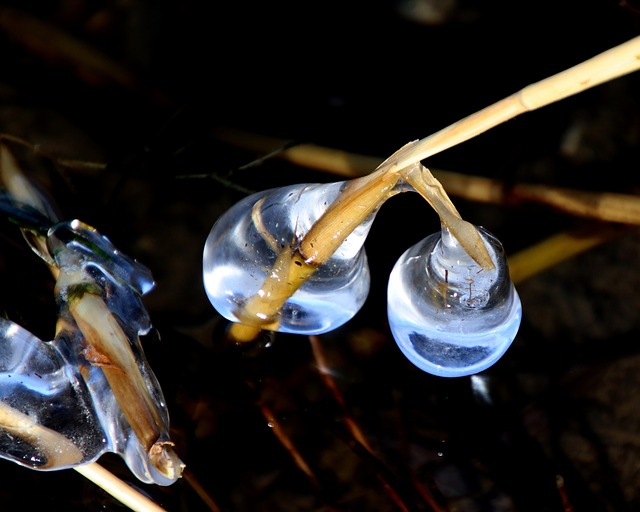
[(449, 316), (37, 383), (243, 246), (56, 409)]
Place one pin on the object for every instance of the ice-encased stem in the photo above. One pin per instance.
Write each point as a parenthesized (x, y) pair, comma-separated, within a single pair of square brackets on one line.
[(610, 64), (423, 182), (107, 342), (109, 348), (58, 449), (357, 201)]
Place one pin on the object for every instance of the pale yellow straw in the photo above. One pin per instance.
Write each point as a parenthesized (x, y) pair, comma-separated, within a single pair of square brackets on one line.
[(613, 63)]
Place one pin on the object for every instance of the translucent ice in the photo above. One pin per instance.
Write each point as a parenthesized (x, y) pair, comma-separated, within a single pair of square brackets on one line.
[(90, 390), (449, 316), (46, 412), (245, 245)]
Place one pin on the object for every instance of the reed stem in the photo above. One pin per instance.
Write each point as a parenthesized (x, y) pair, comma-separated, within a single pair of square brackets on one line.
[(366, 194)]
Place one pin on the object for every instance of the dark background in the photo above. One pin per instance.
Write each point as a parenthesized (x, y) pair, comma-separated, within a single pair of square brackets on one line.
[(362, 78)]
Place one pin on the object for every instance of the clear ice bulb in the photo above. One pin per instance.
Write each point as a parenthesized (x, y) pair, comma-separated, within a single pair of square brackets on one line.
[(244, 244), (449, 316)]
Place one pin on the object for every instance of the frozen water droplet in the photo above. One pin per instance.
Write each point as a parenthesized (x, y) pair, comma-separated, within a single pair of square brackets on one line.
[(244, 245), (449, 316)]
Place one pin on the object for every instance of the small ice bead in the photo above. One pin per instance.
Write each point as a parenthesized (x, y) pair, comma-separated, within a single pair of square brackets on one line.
[(243, 246), (449, 316)]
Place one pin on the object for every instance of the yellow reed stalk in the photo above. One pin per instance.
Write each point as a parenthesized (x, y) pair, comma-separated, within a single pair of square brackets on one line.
[(117, 488), (349, 210), (60, 451), (608, 65), (312, 156), (604, 206), (16, 182), (466, 233), (288, 273), (359, 199), (295, 265), (607, 206), (109, 348), (615, 62)]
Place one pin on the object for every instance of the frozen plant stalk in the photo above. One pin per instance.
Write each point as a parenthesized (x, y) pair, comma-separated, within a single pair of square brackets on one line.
[(90, 390), (263, 269)]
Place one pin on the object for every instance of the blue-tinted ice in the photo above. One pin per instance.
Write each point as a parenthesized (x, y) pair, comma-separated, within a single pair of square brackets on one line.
[(449, 316)]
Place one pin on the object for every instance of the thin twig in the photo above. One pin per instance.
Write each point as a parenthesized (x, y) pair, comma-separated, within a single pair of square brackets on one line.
[(117, 488), (352, 426), (330, 383), (562, 491), (70, 163)]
